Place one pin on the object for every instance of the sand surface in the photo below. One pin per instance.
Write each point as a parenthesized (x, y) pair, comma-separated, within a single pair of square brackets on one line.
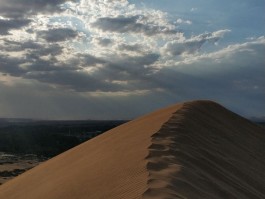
[(196, 150), (206, 152)]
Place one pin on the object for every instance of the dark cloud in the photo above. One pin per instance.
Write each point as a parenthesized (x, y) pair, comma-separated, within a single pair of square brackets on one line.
[(132, 24), (104, 41), (89, 60), (127, 69), (132, 67), (52, 50), (10, 24), (26, 45), (20, 67), (33, 48), (132, 47), (194, 44), (58, 34), (32, 59), (67, 73), (11, 66), (22, 8), (139, 61), (179, 48), (72, 73)]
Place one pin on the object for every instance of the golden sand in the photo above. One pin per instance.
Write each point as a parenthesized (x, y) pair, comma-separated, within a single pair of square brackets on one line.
[(196, 150)]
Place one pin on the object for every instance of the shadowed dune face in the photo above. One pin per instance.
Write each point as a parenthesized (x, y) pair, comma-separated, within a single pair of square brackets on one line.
[(205, 152), (195, 150)]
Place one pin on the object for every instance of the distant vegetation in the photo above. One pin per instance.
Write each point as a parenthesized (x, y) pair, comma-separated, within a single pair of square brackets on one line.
[(48, 138)]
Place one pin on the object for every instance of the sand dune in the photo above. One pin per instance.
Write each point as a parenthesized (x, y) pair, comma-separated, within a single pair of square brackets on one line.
[(196, 150)]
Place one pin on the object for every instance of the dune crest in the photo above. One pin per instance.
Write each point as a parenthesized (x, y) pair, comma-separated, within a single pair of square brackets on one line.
[(205, 151), (195, 150)]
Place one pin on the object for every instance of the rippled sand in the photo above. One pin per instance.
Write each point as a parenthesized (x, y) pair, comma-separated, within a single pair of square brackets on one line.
[(196, 150)]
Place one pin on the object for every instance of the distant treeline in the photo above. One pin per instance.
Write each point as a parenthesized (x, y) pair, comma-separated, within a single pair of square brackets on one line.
[(49, 138)]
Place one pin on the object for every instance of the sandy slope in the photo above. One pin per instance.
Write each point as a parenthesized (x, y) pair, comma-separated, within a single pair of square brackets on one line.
[(192, 150), (207, 152), (112, 165)]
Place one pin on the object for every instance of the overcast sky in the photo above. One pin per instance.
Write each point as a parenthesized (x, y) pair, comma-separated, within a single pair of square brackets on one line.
[(119, 59)]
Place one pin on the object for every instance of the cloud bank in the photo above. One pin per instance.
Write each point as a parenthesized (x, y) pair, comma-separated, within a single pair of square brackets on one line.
[(122, 52)]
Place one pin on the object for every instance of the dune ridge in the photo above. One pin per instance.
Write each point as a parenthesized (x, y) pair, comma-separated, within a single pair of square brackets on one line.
[(195, 150)]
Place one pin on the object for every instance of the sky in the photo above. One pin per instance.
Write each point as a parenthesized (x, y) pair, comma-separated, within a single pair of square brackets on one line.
[(119, 59)]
